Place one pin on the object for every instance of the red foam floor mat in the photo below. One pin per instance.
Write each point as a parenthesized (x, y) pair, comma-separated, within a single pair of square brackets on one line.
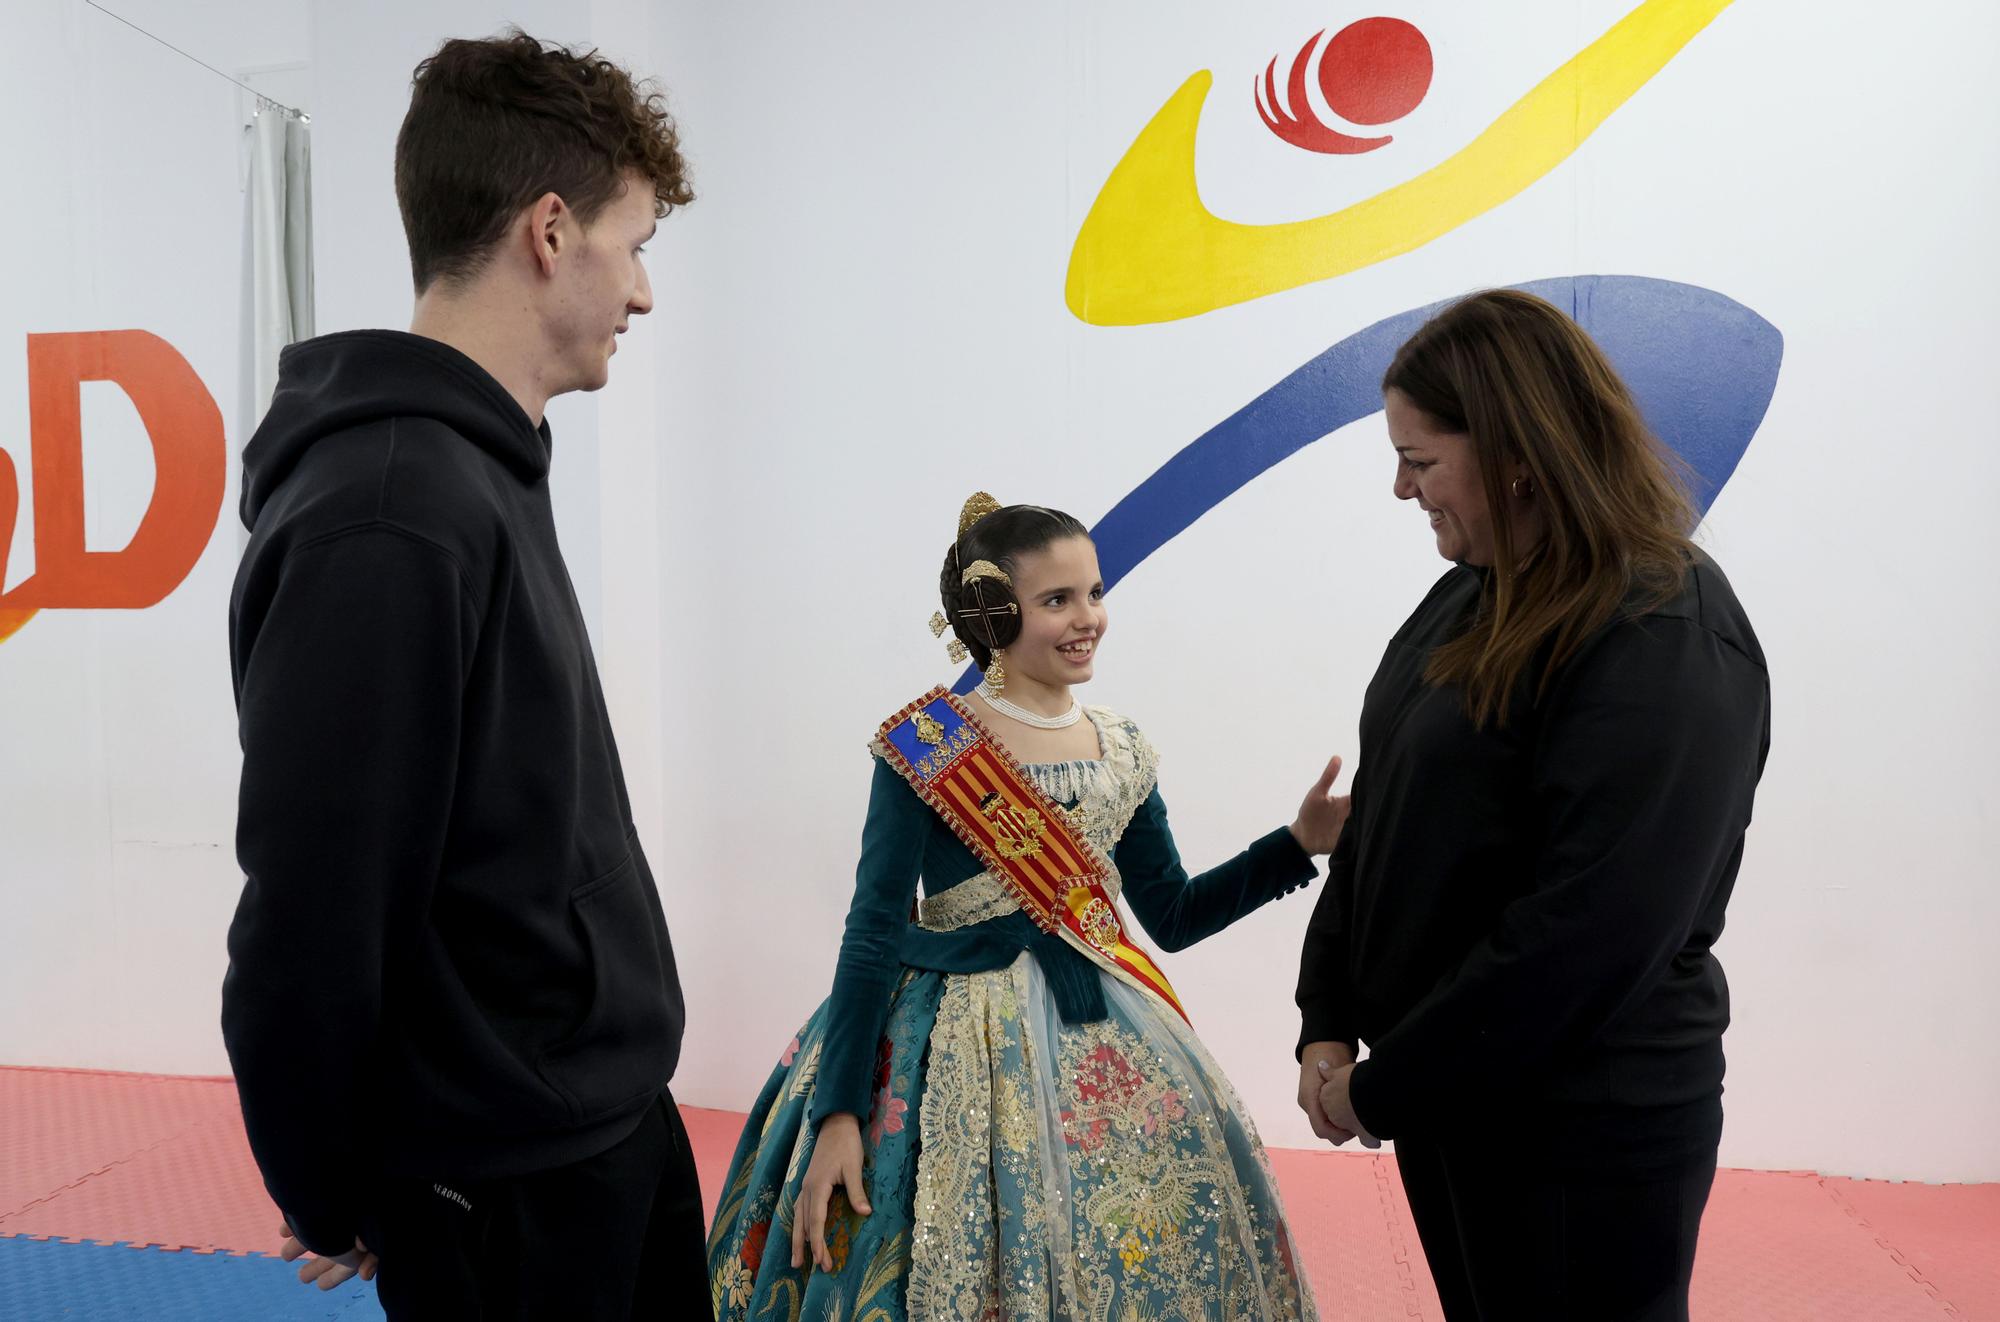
[(1354, 1234), (62, 1126), (162, 1161), (1945, 1236)]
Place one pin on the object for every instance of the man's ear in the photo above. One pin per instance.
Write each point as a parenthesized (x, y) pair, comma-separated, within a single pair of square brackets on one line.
[(548, 228)]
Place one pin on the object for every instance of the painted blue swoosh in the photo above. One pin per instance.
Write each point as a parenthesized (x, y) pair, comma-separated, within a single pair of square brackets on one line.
[(1701, 365)]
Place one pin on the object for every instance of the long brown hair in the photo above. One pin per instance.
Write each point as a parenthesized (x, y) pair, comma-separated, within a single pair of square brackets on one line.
[(1532, 390)]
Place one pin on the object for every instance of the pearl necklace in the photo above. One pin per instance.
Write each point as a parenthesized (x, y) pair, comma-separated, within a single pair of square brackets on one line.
[(1026, 717)]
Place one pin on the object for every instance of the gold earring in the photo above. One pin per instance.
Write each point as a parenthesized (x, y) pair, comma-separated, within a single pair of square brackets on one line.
[(996, 670)]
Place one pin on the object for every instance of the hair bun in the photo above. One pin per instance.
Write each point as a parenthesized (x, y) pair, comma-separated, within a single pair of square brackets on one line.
[(977, 506), (987, 613)]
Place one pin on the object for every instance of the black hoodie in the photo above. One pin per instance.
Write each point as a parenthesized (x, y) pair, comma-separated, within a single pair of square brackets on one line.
[(449, 959)]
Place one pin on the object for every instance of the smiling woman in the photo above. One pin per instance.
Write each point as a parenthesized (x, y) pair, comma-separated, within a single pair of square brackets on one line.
[(1559, 754), (1516, 436)]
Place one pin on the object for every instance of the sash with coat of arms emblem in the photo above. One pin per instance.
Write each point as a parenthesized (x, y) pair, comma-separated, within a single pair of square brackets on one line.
[(1024, 838)]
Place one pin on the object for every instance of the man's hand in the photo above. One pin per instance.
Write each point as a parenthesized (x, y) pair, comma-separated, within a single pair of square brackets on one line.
[(1323, 814), (1338, 1106), (327, 1273)]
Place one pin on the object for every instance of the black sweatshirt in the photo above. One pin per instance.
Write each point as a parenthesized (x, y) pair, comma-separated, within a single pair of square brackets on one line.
[(449, 958), (1518, 920)]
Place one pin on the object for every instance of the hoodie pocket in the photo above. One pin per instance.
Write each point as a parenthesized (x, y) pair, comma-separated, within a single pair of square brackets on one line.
[(623, 1049)]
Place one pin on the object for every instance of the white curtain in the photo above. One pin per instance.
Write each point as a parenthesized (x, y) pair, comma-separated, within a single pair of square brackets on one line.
[(277, 255)]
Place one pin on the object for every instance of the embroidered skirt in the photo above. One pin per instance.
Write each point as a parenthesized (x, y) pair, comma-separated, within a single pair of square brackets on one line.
[(1019, 1167)]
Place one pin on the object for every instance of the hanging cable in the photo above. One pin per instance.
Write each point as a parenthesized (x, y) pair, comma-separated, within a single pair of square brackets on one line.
[(262, 100)]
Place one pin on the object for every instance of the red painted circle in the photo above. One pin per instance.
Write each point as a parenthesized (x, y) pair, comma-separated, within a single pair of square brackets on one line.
[(1375, 70)]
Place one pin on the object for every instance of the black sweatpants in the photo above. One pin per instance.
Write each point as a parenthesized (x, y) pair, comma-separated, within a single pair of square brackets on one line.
[(1507, 1239), (615, 1237)]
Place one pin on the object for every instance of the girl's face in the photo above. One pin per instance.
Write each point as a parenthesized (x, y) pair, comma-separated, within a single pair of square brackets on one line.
[(1062, 613)]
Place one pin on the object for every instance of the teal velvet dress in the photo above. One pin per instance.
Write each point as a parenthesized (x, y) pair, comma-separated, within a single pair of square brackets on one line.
[(1042, 1137)]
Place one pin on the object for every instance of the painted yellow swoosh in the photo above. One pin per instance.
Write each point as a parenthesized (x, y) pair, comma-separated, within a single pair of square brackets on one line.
[(1150, 251)]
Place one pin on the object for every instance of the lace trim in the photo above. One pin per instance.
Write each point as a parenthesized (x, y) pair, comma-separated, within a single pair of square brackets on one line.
[(974, 900), (1070, 782), (979, 1245), (1134, 769)]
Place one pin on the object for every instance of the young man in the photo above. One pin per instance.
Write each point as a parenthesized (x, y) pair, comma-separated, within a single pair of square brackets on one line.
[(452, 1005)]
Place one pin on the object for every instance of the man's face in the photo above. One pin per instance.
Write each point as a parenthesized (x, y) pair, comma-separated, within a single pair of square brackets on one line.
[(600, 286)]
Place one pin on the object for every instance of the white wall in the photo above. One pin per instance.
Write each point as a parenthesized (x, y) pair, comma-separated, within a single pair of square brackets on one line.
[(874, 327), (861, 320), (118, 784), (117, 806)]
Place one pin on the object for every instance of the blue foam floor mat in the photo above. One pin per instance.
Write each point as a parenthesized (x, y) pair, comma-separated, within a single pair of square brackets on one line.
[(46, 1280)]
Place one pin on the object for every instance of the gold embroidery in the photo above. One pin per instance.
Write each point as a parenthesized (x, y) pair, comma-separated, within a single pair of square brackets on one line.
[(1098, 920), (1106, 797), (928, 729), (1017, 829), (1091, 1171), (949, 746), (987, 569)]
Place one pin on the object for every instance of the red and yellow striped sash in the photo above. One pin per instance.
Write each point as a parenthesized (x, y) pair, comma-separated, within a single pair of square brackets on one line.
[(1023, 837)]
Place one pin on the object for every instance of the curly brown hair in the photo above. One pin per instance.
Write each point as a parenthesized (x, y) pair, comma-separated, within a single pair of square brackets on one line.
[(496, 123)]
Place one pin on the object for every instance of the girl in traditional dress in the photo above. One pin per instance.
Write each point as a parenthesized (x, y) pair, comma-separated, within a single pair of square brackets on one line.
[(1001, 1111)]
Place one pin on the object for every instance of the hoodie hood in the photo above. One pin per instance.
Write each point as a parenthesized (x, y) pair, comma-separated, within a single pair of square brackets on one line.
[(338, 382)]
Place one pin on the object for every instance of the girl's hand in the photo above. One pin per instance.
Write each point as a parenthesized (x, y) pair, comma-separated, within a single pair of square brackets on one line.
[(836, 1164), (1323, 814)]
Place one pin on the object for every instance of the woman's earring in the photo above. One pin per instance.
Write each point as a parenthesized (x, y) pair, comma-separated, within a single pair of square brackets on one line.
[(996, 671), (1523, 487)]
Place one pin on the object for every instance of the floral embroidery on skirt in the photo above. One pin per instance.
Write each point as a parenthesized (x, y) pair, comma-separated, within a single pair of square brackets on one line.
[(1019, 1167)]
